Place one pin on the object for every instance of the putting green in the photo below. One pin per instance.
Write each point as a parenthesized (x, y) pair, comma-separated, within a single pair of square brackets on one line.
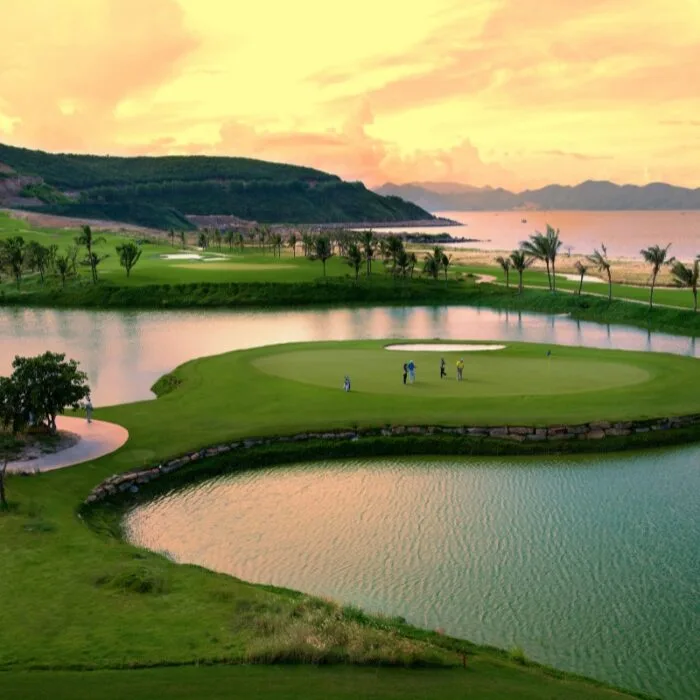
[(379, 371)]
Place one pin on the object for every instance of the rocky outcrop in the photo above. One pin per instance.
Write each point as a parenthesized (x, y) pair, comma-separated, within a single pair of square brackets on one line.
[(597, 430)]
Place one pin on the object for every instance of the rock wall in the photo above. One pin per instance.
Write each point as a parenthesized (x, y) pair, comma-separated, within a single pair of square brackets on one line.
[(597, 430)]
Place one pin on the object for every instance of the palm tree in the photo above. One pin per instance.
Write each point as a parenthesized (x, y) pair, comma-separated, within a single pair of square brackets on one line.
[(520, 262), (403, 262), (202, 240), (412, 262), (601, 262), (229, 237), (431, 264), (292, 243), (538, 249), (354, 258), (276, 244), (63, 267), (183, 239), (217, 239), (307, 242), (87, 239), (368, 247), (445, 261), (685, 276), (582, 270), (506, 264), (656, 257), (171, 233), (553, 245), (240, 240), (322, 250), (394, 246), (38, 258)]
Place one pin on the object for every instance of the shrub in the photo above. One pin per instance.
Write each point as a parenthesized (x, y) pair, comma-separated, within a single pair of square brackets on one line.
[(133, 579)]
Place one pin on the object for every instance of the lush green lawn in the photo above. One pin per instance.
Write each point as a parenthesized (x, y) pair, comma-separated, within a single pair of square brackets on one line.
[(485, 680), (252, 264), (83, 600)]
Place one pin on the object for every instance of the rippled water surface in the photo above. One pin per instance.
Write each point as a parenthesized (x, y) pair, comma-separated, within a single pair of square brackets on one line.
[(589, 565), (125, 352)]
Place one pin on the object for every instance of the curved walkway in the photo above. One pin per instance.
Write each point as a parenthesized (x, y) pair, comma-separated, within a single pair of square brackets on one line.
[(96, 440)]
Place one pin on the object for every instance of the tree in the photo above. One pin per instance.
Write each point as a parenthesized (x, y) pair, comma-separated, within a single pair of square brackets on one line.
[(431, 265), (403, 262), (322, 251), (552, 247), (38, 258), (129, 254), (202, 240), (685, 276), (46, 385), (582, 270), (240, 241), (394, 247), (52, 255), (537, 248), (217, 239), (183, 239), (171, 233), (230, 237), (412, 262), (506, 264), (307, 242), (292, 241), (354, 258), (520, 262), (87, 239), (656, 257), (446, 261), (12, 421), (600, 260), (276, 244), (63, 268), (12, 257), (72, 255), (368, 248)]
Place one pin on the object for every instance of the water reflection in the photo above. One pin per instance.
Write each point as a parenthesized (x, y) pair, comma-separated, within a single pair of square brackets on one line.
[(125, 352)]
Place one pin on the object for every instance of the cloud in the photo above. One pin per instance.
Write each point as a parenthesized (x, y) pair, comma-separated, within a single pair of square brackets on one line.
[(353, 154), (577, 156), (68, 65)]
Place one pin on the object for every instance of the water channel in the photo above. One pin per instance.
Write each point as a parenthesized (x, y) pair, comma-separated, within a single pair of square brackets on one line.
[(590, 564)]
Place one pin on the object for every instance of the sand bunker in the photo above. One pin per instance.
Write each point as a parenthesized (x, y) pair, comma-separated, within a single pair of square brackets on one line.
[(181, 256), (443, 347), (577, 278)]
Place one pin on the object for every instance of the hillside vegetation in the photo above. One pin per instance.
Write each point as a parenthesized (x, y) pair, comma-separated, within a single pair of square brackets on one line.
[(160, 192)]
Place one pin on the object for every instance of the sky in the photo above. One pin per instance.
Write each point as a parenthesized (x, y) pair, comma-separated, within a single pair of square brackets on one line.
[(509, 93)]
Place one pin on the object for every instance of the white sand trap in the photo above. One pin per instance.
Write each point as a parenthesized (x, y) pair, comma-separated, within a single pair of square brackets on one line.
[(577, 278), (443, 347), (181, 256)]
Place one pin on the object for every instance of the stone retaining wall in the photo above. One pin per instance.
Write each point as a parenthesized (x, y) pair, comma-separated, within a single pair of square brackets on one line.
[(597, 430)]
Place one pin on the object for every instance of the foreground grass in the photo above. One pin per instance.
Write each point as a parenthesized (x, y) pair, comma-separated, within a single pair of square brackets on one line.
[(83, 599), (485, 679)]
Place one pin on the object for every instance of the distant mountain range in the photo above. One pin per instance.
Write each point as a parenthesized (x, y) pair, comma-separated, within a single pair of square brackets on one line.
[(590, 195)]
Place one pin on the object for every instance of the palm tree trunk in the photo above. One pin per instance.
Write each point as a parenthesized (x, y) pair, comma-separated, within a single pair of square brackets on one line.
[(554, 279), (609, 286), (520, 281), (507, 279), (580, 285), (695, 300), (3, 497), (651, 292), (549, 278)]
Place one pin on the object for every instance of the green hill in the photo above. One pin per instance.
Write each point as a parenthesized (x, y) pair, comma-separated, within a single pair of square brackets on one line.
[(161, 192)]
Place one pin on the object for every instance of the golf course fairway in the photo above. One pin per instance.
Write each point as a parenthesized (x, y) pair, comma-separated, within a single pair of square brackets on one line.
[(80, 599)]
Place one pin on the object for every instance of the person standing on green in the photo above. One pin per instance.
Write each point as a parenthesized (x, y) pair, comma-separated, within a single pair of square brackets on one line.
[(443, 373), (460, 368)]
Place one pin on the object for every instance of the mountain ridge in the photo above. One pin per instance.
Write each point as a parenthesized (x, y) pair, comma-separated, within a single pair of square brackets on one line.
[(590, 195)]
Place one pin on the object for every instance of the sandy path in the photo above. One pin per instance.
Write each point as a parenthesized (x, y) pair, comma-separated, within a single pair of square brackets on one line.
[(96, 440)]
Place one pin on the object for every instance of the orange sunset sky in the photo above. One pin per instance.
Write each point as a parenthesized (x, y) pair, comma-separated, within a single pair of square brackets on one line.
[(513, 93)]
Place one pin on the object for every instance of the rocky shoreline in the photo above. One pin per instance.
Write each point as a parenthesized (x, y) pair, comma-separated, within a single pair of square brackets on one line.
[(595, 430)]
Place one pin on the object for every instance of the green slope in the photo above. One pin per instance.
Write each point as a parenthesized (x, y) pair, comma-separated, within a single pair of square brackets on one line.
[(159, 191)]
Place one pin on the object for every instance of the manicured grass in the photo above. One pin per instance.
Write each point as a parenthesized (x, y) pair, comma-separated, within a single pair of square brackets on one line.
[(484, 680), (85, 600)]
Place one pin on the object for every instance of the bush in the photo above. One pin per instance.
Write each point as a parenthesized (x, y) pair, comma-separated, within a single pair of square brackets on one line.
[(133, 579), (518, 655)]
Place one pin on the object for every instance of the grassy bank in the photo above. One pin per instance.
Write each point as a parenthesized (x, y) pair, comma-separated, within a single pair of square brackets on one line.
[(83, 599)]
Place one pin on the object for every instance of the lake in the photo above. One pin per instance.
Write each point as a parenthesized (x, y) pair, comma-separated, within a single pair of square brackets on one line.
[(124, 353), (590, 565), (624, 233)]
